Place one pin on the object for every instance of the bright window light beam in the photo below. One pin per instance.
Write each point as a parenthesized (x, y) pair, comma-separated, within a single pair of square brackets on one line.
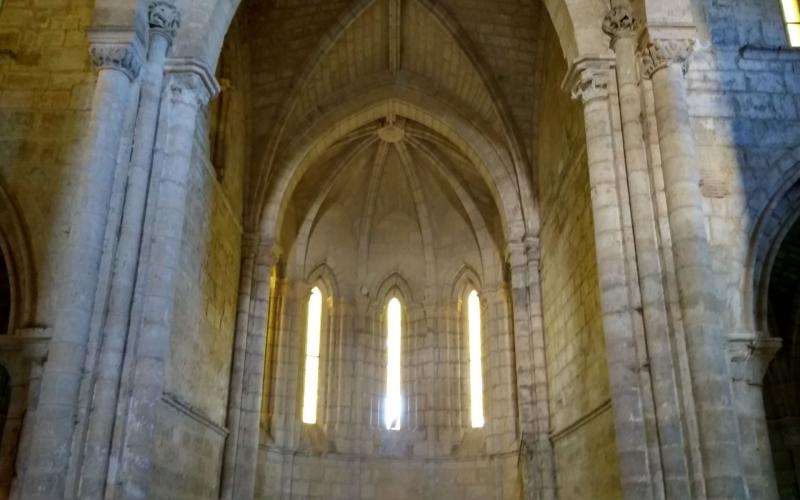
[(313, 330), (394, 399), (791, 15), (475, 366)]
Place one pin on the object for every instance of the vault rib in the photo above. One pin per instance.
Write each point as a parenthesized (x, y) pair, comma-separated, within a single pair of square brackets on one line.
[(307, 228), (369, 209), (480, 229), (423, 215), (395, 35)]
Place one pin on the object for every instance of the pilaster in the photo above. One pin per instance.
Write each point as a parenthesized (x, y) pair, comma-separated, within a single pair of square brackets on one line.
[(591, 80), (117, 54), (189, 85), (664, 59), (648, 286)]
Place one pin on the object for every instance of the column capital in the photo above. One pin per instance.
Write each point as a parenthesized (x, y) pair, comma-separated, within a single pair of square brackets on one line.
[(116, 49), (190, 81), (532, 247), (588, 78), (620, 23), (164, 19), (658, 54), (516, 254), (750, 357)]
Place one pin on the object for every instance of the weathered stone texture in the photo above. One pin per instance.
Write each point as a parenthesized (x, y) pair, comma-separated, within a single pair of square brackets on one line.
[(205, 309), (46, 86), (416, 148), (577, 371), (305, 477), (188, 456)]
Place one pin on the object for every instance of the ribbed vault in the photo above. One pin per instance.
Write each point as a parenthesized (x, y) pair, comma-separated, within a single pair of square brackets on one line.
[(369, 46), (392, 183)]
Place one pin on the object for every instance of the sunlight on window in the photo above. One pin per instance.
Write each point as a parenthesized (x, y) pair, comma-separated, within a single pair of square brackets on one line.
[(791, 15), (475, 367), (313, 328), (394, 401)]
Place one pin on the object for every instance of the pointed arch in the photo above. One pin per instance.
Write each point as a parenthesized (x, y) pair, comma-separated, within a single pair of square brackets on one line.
[(464, 280), (344, 115), (16, 251), (324, 277), (205, 23), (394, 283), (772, 222)]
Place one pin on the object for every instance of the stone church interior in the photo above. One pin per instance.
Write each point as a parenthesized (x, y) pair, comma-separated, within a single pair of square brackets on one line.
[(399, 249)]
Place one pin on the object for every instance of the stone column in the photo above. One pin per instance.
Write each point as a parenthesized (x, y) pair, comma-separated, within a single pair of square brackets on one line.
[(749, 360), (44, 472), (164, 20), (247, 375), (190, 85), (34, 354), (523, 340), (237, 368), (665, 62), (589, 81), (541, 447), (624, 31)]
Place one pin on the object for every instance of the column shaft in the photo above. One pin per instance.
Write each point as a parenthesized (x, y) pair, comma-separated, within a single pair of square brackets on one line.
[(246, 458), (44, 473), (237, 369), (109, 368), (620, 24), (701, 309), (542, 447), (618, 327), (187, 90)]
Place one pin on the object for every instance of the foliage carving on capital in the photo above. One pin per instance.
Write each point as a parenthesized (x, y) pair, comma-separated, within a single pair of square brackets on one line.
[(191, 82), (592, 83), (659, 54), (750, 358), (620, 23), (188, 88), (121, 57), (164, 18)]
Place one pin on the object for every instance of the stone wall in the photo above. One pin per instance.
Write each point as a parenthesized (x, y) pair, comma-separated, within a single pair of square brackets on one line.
[(46, 85), (578, 381), (192, 416), (296, 476), (744, 94)]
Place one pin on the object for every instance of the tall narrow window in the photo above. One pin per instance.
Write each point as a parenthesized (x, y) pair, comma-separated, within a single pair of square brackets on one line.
[(791, 16), (394, 400), (475, 366), (313, 328)]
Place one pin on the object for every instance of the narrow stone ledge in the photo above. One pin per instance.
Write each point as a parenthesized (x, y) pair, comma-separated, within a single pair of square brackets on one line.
[(582, 421), (763, 53), (185, 409)]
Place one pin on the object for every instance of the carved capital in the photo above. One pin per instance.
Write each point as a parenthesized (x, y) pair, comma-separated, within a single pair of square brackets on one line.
[(589, 78), (620, 23), (164, 19), (116, 49), (190, 82), (659, 54), (750, 358), (532, 248)]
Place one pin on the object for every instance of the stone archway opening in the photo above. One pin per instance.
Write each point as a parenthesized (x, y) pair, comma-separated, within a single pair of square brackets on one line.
[(782, 381)]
